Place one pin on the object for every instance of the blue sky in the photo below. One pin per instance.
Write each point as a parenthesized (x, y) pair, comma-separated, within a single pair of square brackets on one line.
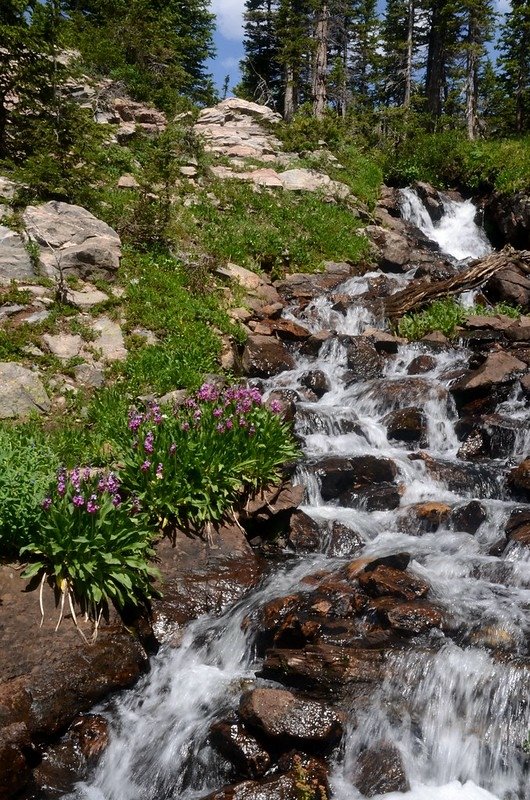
[(228, 39)]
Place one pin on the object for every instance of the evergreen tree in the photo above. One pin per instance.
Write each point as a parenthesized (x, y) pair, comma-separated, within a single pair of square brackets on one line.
[(294, 24), (364, 59), (400, 42), (514, 64), (157, 47), (262, 76)]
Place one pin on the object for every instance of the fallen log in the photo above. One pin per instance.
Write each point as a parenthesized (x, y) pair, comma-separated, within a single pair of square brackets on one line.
[(422, 292)]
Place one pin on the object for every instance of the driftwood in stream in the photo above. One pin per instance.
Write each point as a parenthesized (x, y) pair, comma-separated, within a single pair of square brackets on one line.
[(419, 293)]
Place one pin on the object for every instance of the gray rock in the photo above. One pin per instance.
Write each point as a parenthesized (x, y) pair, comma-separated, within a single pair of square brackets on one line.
[(63, 345), (8, 188), (110, 340), (127, 182), (89, 375), (309, 180), (15, 263), (21, 392), (73, 240), (87, 297), (37, 317)]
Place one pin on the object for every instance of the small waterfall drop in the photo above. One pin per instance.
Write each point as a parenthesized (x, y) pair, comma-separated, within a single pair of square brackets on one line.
[(456, 232)]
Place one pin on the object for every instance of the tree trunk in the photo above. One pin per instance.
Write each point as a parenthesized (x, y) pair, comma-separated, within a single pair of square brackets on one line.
[(471, 81), (410, 45), (435, 61), (422, 292), (289, 104), (320, 64)]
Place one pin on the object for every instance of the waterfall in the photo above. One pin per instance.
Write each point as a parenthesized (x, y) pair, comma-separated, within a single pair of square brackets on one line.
[(456, 232), (457, 713)]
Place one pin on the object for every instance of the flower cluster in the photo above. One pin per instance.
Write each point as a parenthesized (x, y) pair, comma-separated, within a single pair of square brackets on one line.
[(85, 489)]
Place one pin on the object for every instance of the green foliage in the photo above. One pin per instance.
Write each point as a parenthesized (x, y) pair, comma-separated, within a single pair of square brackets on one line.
[(277, 230), (27, 465), (446, 315), (92, 543), (191, 465)]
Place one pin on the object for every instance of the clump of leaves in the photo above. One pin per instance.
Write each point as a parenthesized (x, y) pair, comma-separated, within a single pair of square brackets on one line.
[(191, 465), (95, 546), (27, 466), (446, 315)]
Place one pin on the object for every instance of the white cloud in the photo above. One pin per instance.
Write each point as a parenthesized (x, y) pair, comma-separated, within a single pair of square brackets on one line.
[(229, 18)]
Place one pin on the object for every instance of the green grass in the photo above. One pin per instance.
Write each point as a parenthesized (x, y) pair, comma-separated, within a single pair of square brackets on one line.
[(445, 316), (279, 231)]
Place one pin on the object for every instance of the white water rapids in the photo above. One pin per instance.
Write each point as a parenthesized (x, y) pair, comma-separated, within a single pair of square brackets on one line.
[(457, 711)]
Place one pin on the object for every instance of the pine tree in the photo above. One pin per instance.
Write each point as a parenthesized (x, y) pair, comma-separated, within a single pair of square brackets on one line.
[(364, 59), (397, 64), (262, 76), (514, 64), (294, 24), (478, 27)]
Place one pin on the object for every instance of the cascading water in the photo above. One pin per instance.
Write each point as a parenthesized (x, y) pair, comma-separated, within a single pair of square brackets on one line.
[(457, 712)]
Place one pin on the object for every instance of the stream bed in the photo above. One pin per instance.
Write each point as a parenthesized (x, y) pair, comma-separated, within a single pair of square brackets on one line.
[(454, 699)]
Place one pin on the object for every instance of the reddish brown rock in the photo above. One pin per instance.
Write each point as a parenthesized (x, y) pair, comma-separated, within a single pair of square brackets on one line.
[(343, 541), (338, 475), (469, 518), (317, 381), (414, 617), (499, 369), (289, 720), (407, 425), (304, 534), (424, 517), (15, 761), (235, 743), (389, 581), (380, 770), (421, 364), (363, 360), (519, 480), (305, 778), (265, 356), (286, 329)]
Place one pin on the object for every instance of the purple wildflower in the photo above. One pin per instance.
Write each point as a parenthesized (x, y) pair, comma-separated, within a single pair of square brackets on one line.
[(197, 415), (78, 501), (113, 483), (217, 412), (160, 472), (75, 478), (185, 426), (251, 430), (208, 393), (61, 483), (46, 503), (145, 466), (275, 406), (116, 500), (92, 505), (220, 427), (148, 442), (86, 474), (135, 420), (229, 424), (136, 506), (172, 449)]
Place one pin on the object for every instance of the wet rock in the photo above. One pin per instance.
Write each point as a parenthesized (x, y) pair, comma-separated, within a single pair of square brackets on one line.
[(311, 346), (509, 216), (430, 198), (289, 720), (489, 436), (317, 381), (393, 251), (421, 364), (338, 475), (284, 329), (469, 518), (384, 342), (15, 759), (343, 541), (464, 478), (304, 534), (21, 392), (399, 393), (424, 517), (307, 778), (414, 617), (407, 425), (324, 669), (363, 360), (277, 501), (380, 770), (519, 480), (265, 356), (240, 747), (85, 246), (390, 581), (383, 497), (500, 369), (199, 579), (436, 341), (399, 561)]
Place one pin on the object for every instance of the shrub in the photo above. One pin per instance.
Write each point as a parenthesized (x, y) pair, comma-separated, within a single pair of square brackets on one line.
[(446, 315), (27, 466), (94, 545), (192, 464)]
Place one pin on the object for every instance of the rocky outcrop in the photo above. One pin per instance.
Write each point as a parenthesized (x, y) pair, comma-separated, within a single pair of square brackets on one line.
[(72, 241), (264, 356), (239, 129), (21, 392), (508, 219), (15, 261)]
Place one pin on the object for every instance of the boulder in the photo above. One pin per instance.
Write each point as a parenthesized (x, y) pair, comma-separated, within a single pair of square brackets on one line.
[(413, 618), (317, 381), (291, 721), (383, 497), (518, 526), (72, 241), (15, 261), (63, 345), (393, 250), (343, 541), (430, 198), (424, 517), (305, 778), (380, 770), (509, 216), (488, 436), (304, 535), (338, 475), (421, 364), (109, 342), (363, 360), (240, 747), (309, 180), (510, 285), (500, 369), (407, 425), (265, 356), (519, 480), (284, 329), (15, 759), (21, 392), (390, 581), (469, 518)]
